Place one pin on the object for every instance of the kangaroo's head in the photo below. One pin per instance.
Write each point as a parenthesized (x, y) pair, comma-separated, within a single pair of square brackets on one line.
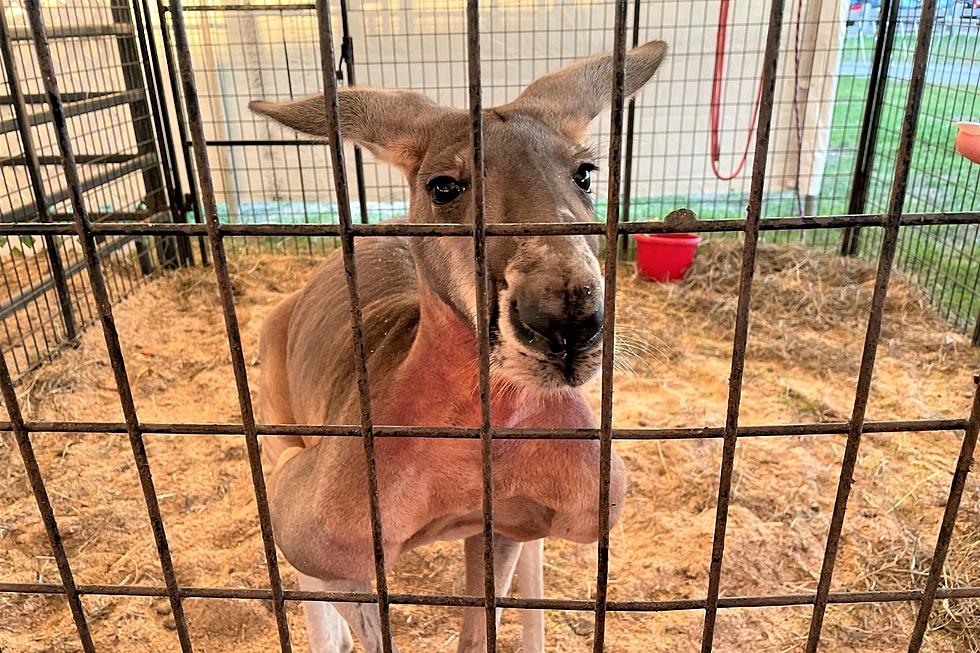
[(546, 292)]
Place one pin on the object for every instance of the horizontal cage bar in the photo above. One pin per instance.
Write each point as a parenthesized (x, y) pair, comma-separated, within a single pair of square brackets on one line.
[(460, 601), (684, 433), (439, 230)]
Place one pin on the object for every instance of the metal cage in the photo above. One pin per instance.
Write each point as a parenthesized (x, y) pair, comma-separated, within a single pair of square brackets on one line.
[(92, 233)]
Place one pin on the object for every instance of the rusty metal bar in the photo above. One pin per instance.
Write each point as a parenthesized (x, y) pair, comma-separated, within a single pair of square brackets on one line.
[(33, 470), (482, 312), (346, 233), (225, 292), (886, 427), (101, 296), (889, 244), (750, 248), (617, 103), (462, 601), (437, 230), (958, 484)]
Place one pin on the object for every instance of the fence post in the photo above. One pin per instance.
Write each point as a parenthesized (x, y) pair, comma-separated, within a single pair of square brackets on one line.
[(347, 57), (630, 126), (139, 112), (192, 201), (891, 223), (37, 183), (867, 140), (161, 122)]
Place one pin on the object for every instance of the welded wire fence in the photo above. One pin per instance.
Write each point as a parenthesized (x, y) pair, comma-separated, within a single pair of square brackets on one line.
[(841, 89), (890, 223), (114, 119)]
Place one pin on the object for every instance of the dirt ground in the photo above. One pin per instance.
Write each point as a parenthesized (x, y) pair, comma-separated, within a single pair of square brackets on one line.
[(808, 321)]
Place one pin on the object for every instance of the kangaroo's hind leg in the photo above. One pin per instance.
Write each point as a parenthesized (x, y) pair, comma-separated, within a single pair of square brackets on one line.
[(363, 619), (325, 628)]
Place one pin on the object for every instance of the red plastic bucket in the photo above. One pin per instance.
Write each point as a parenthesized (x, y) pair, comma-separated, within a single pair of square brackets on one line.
[(665, 257)]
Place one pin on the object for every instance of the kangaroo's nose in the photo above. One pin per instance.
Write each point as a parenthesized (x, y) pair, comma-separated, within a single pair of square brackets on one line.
[(558, 326)]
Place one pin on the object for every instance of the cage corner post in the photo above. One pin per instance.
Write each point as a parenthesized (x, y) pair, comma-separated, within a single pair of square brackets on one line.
[(886, 258), (219, 259), (874, 104), (156, 187), (617, 102), (191, 202), (162, 124), (628, 162)]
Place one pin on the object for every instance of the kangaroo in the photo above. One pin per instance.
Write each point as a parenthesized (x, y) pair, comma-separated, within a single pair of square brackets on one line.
[(419, 308)]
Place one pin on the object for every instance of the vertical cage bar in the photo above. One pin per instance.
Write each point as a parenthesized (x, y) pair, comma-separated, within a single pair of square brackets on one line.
[(37, 183), (617, 103), (740, 339), (141, 120), (161, 122), (44, 506), (194, 199), (889, 245), (630, 138), (330, 94), (482, 311), (347, 54), (958, 484), (868, 138), (220, 264), (101, 295)]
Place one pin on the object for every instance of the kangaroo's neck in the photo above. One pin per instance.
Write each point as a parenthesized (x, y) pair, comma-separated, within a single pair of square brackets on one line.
[(438, 383)]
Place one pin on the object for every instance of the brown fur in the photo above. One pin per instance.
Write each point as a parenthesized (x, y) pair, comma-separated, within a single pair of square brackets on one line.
[(418, 302)]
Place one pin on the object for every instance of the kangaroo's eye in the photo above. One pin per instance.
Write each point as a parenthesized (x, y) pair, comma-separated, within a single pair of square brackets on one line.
[(583, 176), (444, 190)]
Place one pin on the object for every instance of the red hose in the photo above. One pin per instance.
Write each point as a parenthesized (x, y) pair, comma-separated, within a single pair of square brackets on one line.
[(716, 93)]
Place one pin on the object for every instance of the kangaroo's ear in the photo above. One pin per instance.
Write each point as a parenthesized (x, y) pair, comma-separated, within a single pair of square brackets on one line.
[(570, 98), (391, 124)]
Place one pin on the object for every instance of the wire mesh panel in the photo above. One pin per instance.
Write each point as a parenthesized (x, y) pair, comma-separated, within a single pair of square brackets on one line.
[(255, 51), (691, 147), (98, 53), (944, 260), (253, 188)]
